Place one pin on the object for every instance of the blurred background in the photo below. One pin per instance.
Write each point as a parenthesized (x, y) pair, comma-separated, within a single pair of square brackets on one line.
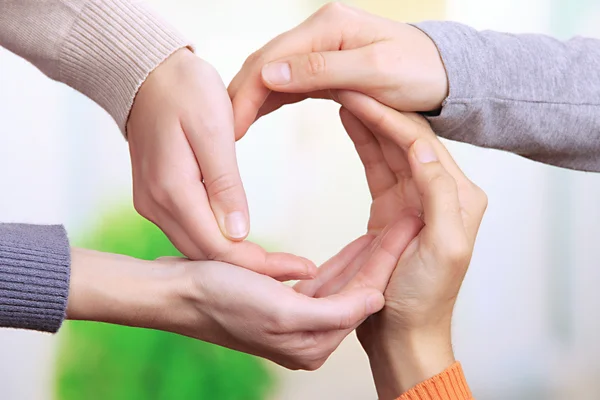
[(527, 320)]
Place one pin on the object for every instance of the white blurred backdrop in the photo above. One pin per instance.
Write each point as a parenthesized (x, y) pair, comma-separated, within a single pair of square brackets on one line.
[(527, 319)]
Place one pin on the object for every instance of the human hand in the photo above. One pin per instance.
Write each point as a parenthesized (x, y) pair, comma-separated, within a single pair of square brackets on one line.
[(219, 303), (185, 174), (409, 341), (340, 47)]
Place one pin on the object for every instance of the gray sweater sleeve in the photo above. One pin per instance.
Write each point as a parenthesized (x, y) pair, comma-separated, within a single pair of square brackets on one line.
[(34, 276), (528, 94)]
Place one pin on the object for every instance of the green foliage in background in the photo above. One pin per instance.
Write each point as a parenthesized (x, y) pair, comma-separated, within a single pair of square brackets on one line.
[(101, 361)]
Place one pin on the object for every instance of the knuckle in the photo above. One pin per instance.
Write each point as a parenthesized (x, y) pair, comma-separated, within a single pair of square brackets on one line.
[(457, 252), (253, 58), (379, 60), (313, 365), (332, 8), (223, 186), (217, 253), (141, 205), (347, 319), (477, 198), (311, 359), (315, 64), (278, 320), (481, 198), (381, 120), (161, 191), (442, 182)]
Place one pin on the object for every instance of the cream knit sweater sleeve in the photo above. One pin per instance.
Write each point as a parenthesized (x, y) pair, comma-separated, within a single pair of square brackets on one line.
[(104, 49)]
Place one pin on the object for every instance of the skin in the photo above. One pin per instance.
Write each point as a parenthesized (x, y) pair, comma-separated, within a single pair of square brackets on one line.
[(185, 174), (409, 341), (182, 127), (340, 47), (238, 308), (420, 236)]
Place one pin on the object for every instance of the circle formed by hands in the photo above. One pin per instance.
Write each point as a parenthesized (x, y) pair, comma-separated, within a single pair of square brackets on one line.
[(424, 214)]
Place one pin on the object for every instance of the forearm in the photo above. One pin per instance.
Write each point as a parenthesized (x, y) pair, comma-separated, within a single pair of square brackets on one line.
[(123, 290), (103, 48), (528, 94), (403, 360)]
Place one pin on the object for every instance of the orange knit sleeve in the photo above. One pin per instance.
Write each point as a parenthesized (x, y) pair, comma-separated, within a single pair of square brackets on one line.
[(449, 385)]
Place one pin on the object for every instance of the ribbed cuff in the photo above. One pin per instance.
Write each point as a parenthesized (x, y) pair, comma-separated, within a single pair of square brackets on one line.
[(34, 276), (449, 385), (111, 49)]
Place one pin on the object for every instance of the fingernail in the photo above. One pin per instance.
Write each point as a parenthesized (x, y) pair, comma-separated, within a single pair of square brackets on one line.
[(374, 303), (424, 151), (277, 74), (236, 225)]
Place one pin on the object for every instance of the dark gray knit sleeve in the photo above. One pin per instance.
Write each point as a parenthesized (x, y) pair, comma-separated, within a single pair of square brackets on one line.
[(528, 94), (34, 276)]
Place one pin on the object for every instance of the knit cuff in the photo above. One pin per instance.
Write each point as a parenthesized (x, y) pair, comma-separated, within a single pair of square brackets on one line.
[(111, 49), (449, 385), (35, 264)]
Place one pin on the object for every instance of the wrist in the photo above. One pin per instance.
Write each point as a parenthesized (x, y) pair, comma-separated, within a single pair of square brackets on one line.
[(403, 359), (122, 290)]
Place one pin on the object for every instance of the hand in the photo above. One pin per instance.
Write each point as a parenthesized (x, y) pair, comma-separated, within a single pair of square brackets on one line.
[(409, 341), (340, 47), (185, 174), (219, 303)]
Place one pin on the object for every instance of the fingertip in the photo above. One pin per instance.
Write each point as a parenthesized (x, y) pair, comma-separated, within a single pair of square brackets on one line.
[(375, 302), (276, 74), (423, 151), (236, 226), (286, 267), (310, 269)]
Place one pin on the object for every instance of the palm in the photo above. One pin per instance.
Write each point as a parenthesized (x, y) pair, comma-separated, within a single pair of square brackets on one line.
[(398, 199), (393, 221), (388, 175)]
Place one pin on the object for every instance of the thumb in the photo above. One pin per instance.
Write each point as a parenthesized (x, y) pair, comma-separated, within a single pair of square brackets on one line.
[(438, 191), (341, 311), (210, 132), (346, 69)]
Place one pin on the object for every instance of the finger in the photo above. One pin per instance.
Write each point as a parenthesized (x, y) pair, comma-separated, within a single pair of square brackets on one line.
[(336, 284), (336, 312), (177, 235), (401, 128), (378, 173), (210, 133), (439, 195), (313, 71), (395, 157), (404, 130), (383, 120), (281, 266), (247, 90), (334, 266), (277, 100), (378, 269), (201, 227)]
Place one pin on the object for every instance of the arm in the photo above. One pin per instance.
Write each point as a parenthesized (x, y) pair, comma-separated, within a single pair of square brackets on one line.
[(43, 281), (185, 173), (409, 342), (102, 48), (419, 369), (528, 94)]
